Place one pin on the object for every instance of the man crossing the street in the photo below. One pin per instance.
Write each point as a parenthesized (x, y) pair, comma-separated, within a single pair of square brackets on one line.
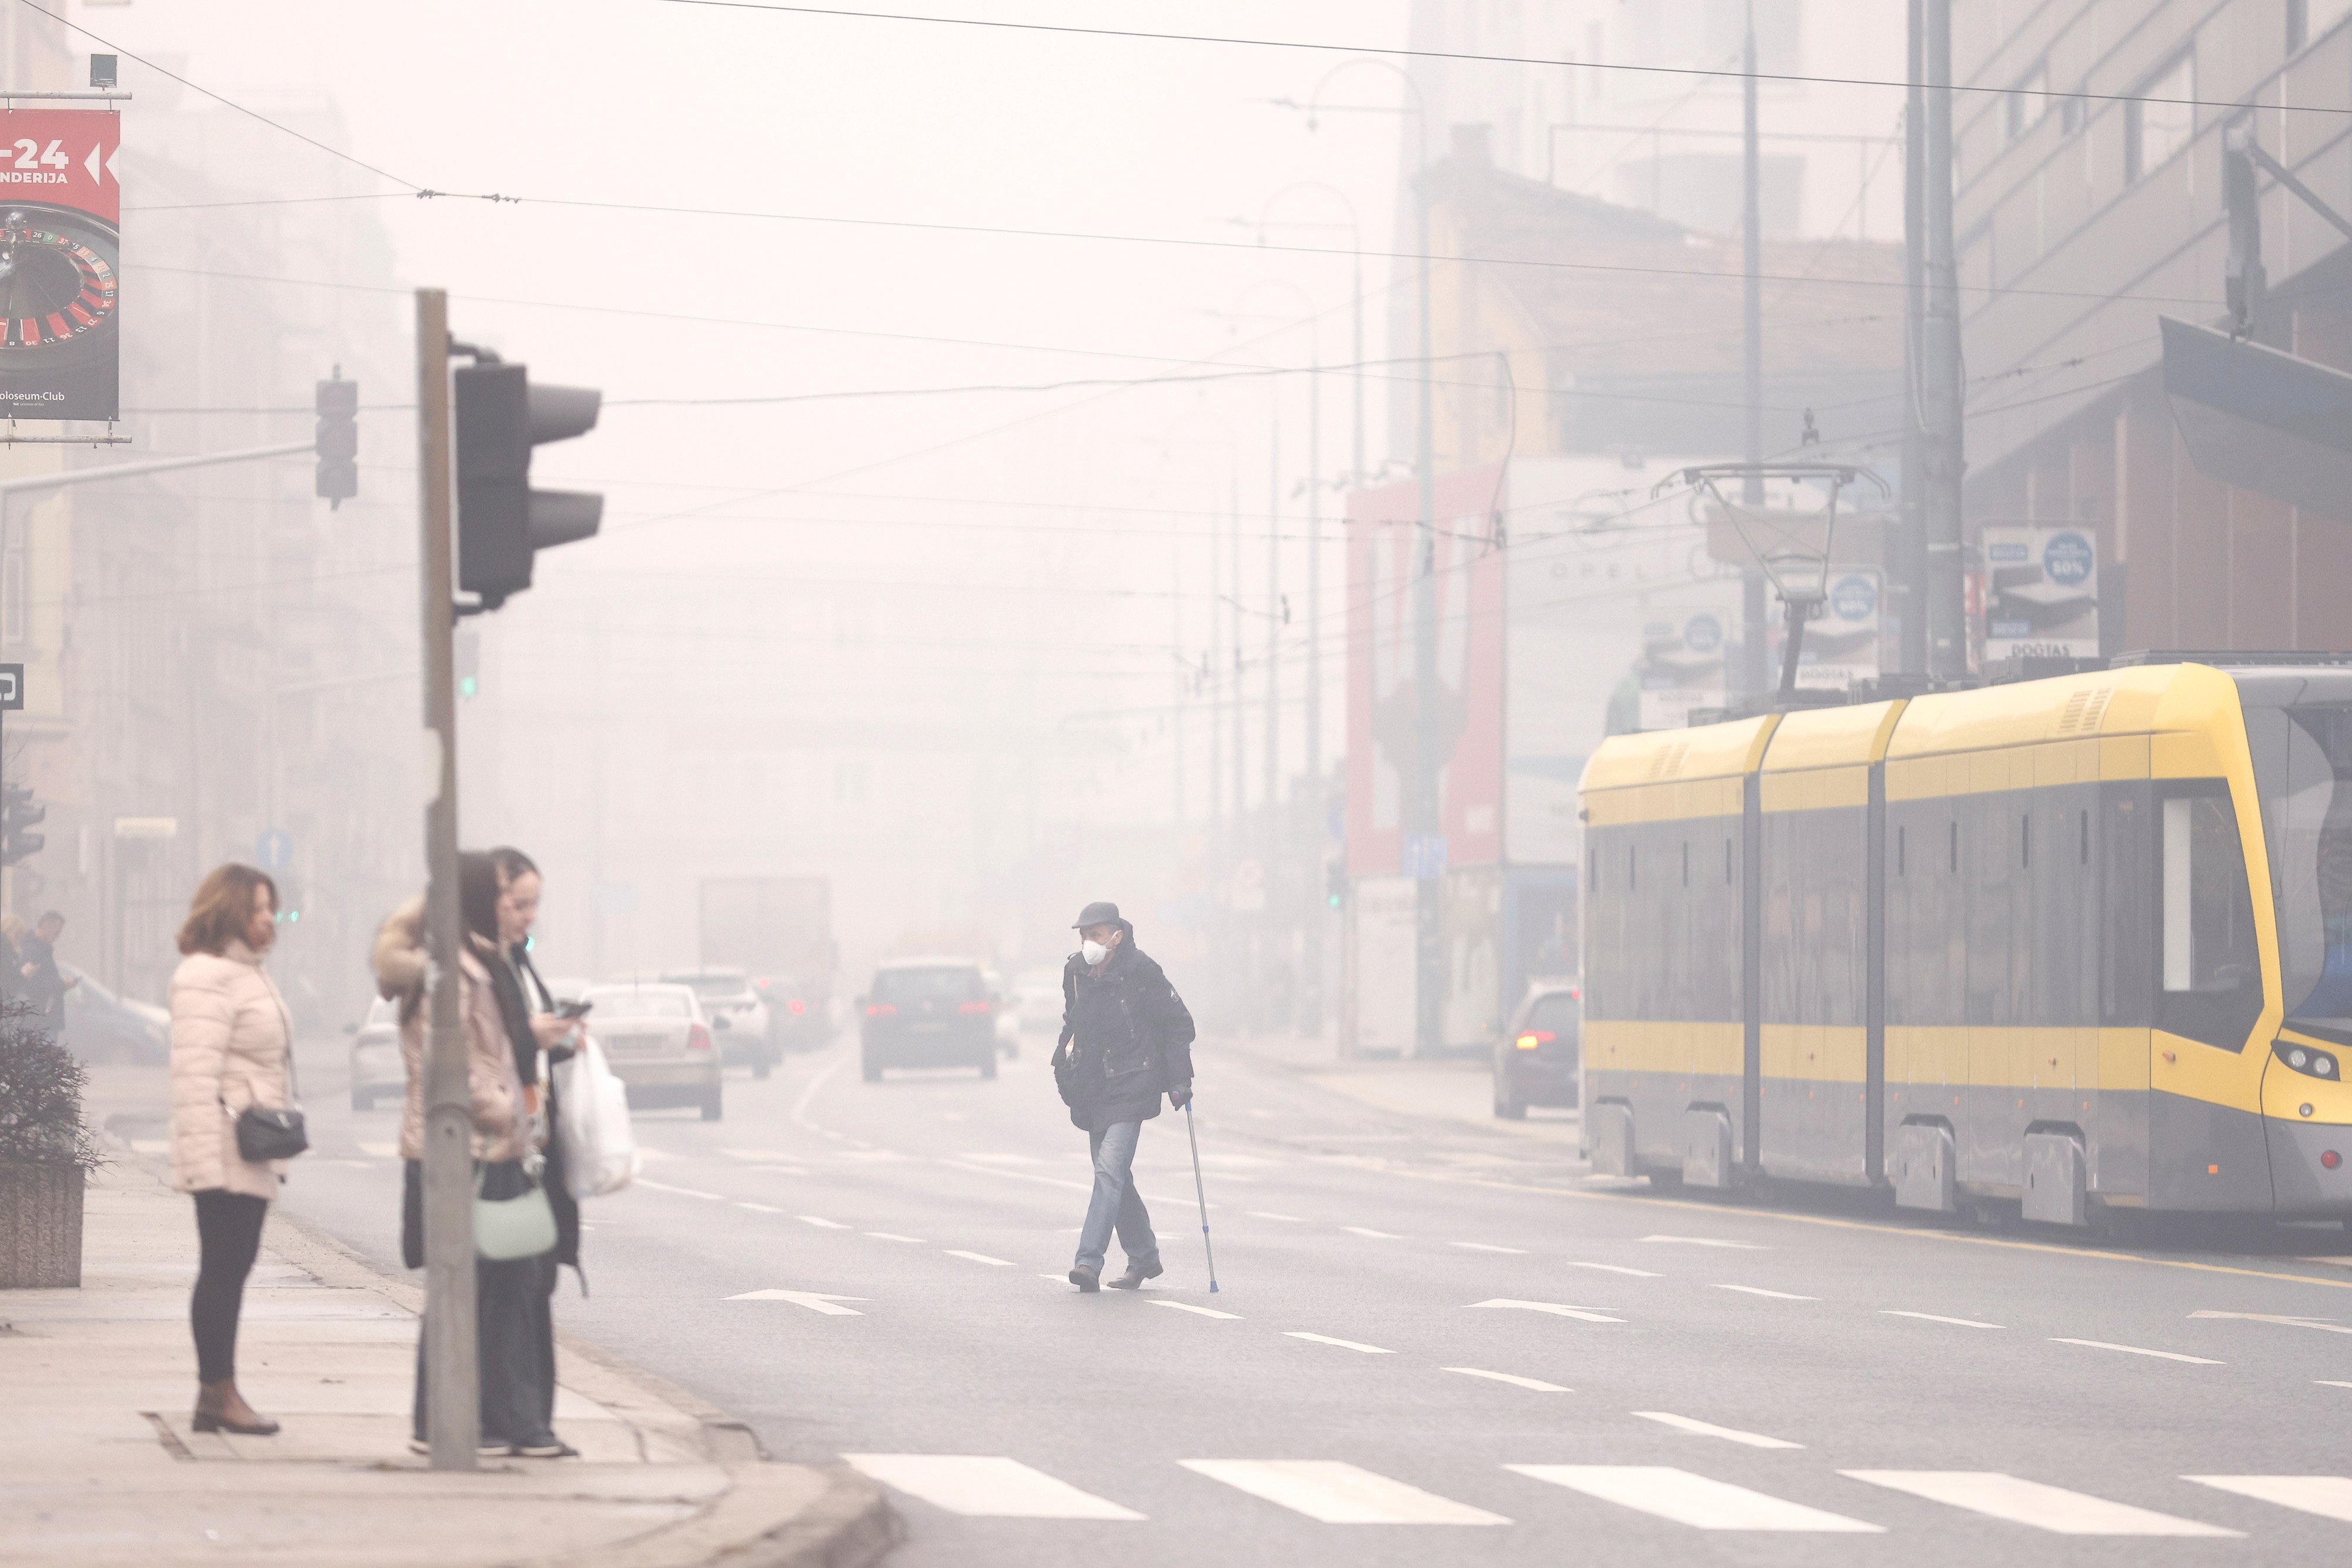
[(1126, 1040)]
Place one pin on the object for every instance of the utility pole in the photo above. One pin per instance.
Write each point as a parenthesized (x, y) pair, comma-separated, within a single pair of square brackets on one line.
[(1944, 460), (1272, 769), (1751, 246), (1423, 820), (452, 1357), (1311, 988), (1907, 559), (1234, 613)]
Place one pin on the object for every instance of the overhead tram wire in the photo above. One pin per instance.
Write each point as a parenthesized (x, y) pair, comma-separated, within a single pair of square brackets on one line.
[(1470, 56)]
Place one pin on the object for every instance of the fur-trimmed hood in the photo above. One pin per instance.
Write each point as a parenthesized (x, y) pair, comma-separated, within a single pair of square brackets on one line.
[(399, 958)]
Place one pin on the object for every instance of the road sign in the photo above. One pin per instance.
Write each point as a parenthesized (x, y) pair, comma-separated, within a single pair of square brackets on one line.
[(12, 687), (274, 850), (1424, 856)]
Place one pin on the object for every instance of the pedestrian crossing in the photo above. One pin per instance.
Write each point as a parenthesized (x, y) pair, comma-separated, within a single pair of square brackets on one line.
[(1335, 1491)]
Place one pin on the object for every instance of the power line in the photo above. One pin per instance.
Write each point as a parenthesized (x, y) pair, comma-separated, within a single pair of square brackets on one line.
[(1705, 73)]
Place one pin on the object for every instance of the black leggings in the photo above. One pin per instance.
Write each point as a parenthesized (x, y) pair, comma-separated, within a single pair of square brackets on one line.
[(229, 1224)]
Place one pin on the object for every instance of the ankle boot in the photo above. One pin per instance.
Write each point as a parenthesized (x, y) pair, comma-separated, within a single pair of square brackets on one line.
[(221, 1409)]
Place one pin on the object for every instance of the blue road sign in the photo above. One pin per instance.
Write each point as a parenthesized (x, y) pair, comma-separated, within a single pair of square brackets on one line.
[(274, 850)]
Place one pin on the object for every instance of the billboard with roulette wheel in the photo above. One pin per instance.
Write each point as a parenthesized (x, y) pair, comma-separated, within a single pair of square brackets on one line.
[(60, 263)]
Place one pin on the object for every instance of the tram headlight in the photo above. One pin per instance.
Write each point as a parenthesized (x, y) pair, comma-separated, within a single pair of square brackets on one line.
[(2309, 1061)]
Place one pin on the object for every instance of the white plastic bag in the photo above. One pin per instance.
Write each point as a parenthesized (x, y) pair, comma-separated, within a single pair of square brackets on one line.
[(600, 1151)]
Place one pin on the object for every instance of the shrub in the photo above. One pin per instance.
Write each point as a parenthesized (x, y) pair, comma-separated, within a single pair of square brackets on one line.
[(41, 1089)]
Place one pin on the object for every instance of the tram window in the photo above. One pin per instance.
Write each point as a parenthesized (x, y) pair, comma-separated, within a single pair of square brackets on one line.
[(1685, 863), (1898, 852), (1726, 863), (2086, 838), (2210, 970), (2025, 842), (1632, 867), (1956, 843)]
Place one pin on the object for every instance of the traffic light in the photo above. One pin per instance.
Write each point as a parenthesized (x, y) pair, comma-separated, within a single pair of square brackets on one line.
[(17, 813), (502, 521), (1335, 883), (339, 440), (467, 646)]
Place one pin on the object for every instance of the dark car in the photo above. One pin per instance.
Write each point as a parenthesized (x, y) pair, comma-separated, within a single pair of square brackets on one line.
[(1536, 1060), (927, 1012), (800, 1014)]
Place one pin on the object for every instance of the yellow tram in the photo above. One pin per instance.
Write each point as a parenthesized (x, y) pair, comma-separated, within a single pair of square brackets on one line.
[(2082, 943)]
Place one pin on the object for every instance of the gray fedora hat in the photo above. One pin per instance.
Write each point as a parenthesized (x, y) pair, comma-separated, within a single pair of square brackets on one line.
[(1101, 912)]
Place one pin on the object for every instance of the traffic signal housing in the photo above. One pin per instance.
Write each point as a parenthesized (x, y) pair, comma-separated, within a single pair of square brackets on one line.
[(1335, 883), (18, 814), (502, 522), (339, 440)]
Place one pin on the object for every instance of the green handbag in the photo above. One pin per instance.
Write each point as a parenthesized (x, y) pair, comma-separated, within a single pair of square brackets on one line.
[(508, 1229)]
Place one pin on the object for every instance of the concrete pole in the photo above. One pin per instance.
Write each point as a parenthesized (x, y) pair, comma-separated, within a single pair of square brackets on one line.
[(1752, 607), (1311, 981), (1422, 818), (1944, 448), (1907, 559), (1273, 763), (452, 1358)]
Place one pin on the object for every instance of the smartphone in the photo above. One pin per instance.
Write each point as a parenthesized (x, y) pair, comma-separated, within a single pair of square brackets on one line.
[(573, 1009)]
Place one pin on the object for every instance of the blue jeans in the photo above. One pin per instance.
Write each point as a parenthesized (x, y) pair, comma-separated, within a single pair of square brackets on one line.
[(1116, 1201)]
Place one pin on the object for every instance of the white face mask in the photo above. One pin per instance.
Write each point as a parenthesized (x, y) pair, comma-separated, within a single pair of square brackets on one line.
[(1093, 953)]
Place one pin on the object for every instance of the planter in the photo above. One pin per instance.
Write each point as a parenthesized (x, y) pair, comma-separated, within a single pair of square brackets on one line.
[(40, 1225)]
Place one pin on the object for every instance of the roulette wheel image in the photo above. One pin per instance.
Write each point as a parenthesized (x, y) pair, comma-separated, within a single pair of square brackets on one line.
[(59, 282)]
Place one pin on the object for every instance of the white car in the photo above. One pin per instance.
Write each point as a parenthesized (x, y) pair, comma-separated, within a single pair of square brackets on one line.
[(657, 1039), (1037, 998), (737, 1015), (377, 1070)]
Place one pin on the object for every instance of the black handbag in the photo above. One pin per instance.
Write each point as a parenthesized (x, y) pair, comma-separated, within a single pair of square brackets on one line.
[(265, 1133)]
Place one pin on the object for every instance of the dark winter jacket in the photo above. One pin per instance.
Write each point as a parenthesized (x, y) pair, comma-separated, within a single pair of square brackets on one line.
[(1127, 1038)]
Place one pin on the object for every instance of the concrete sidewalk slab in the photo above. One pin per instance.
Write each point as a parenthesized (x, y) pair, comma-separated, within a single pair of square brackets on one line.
[(98, 1465)]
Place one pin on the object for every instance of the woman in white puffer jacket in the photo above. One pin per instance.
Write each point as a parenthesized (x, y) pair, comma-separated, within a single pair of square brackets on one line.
[(231, 1047)]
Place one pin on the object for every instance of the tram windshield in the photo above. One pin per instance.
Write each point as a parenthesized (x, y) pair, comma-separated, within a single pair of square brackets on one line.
[(2303, 765)]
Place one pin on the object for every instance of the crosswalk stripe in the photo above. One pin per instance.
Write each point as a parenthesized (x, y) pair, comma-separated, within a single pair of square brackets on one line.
[(1709, 1429), (2044, 1507), (1201, 1312), (1336, 1492), (1692, 1499), (986, 1487), (2330, 1497)]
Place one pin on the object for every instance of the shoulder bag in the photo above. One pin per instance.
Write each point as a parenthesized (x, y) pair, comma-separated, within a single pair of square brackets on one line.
[(265, 1133), (514, 1225)]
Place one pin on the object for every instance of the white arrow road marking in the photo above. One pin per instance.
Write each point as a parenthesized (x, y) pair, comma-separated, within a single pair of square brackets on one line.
[(1514, 1379), (2330, 1497), (1342, 1344), (1691, 1500), (1937, 1318), (1490, 1247), (1336, 1492), (1582, 1314), (2320, 1324), (2137, 1350), (979, 1258), (814, 1301), (682, 1191), (1710, 1241), (986, 1487), (1189, 1306), (820, 1222), (1760, 1290), (2053, 1509), (1709, 1429)]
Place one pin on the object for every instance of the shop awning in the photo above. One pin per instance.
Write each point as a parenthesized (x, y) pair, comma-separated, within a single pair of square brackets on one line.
[(2261, 419)]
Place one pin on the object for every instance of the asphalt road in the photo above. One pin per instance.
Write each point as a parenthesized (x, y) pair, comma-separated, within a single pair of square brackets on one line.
[(1415, 1308)]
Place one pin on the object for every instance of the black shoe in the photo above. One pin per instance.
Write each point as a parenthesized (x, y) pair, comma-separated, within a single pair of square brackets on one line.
[(1087, 1280), (1135, 1276)]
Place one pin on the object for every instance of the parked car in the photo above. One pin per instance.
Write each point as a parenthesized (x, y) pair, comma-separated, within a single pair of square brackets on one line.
[(737, 1016), (100, 1026), (657, 1039), (1536, 1060), (927, 1012), (1036, 999), (1008, 1019), (377, 1070)]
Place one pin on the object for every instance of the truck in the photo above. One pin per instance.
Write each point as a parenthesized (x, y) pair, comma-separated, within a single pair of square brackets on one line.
[(779, 931)]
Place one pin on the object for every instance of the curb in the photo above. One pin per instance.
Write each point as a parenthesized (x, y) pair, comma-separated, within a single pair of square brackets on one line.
[(770, 1515)]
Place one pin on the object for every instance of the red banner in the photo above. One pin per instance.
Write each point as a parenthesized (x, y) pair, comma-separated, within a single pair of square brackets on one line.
[(60, 263)]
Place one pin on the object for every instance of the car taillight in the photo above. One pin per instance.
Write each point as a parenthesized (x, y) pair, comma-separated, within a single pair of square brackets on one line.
[(697, 1039), (797, 1004), (978, 1008), (1576, 993), (761, 984), (1534, 1038), (881, 1010)]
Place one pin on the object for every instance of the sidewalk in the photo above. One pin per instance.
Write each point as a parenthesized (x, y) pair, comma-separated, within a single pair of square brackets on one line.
[(1458, 1091), (98, 1466)]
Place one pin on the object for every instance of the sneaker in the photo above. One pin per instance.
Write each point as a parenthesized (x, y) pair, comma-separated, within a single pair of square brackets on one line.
[(1087, 1280), (1135, 1276), (553, 1449)]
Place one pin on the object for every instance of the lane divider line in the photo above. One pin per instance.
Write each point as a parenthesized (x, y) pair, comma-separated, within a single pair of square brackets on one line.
[(894, 1236), (1513, 1378), (1490, 1247), (1936, 1318), (1760, 1290), (683, 1191), (2139, 1350), (1342, 1344), (1709, 1429), (980, 1257), (1189, 1306), (820, 1222)]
